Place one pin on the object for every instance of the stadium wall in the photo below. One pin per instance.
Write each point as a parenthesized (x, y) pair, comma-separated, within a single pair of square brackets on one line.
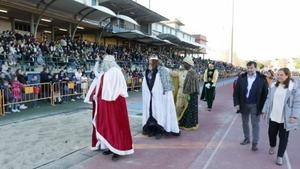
[(5, 25)]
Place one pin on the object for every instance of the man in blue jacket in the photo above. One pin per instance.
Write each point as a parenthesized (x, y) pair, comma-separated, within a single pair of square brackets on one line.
[(249, 97)]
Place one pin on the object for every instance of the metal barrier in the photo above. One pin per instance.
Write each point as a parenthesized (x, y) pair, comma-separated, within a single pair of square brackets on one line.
[(11, 97), (137, 83), (2, 109), (65, 90), (134, 83), (54, 92)]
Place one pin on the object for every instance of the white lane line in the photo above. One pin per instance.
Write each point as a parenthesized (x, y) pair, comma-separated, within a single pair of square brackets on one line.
[(220, 143), (288, 163)]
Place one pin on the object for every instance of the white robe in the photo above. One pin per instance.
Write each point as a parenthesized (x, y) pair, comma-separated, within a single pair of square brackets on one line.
[(163, 107)]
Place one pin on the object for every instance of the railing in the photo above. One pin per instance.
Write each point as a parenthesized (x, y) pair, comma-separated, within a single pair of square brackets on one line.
[(56, 92)]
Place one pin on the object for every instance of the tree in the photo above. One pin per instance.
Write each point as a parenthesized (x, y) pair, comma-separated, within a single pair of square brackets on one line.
[(260, 65), (297, 62)]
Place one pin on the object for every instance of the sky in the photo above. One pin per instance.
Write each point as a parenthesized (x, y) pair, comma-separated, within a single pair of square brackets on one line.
[(263, 29)]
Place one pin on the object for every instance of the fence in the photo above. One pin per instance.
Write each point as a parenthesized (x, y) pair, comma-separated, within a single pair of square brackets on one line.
[(56, 92)]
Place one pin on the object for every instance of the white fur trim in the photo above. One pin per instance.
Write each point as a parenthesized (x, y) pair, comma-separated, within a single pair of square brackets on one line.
[(114, 85), (111, 148), (102, 140)]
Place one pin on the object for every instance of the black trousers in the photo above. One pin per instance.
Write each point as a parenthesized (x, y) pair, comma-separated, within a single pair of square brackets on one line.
[(278, 129)]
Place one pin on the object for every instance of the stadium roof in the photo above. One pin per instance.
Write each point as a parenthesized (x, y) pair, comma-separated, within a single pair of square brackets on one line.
[(141, 37), (176, 21), (134, 10), (73, 7), (133, 34), (179, 41)]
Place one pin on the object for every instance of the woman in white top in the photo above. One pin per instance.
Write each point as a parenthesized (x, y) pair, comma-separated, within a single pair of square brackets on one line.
[(282, 109), (84, 84)]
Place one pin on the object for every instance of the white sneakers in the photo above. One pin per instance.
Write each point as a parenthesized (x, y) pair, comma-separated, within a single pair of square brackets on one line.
[(15, 110), (22, 107), (279, 161)]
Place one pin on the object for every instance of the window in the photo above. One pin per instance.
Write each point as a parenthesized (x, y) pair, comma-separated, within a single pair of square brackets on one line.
[(180, 34), (167, 30), (173, 32), (94, 2), (22, 26), (159, 27), (122, 23)]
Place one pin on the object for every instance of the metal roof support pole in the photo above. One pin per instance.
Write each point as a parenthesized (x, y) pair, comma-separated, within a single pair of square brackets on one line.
[(13, 24), (41, 14), (81, 19), (108, 24), (97, 36), (70, 30), (52, 33), (32, 24)]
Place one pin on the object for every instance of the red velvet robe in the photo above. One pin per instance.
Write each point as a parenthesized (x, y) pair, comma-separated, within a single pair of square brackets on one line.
[(111, 124)]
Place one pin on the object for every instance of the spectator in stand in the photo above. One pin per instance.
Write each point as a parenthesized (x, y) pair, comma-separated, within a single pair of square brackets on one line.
[(5, 66), (45, 79), (84, 84), (72, 89), (45, 75), (16, 93), (64, 85), (3, 77), (8, 98), (92, 75), (34, 82), (78, 75), (56, 90), (23, 80), (8, 74), (21, 77)]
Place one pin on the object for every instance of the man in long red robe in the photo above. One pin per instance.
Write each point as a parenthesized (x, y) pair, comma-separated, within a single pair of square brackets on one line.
[(111, 130)]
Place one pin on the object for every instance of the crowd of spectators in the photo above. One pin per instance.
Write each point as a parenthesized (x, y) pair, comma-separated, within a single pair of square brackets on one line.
[(18, 49), (67, 60)]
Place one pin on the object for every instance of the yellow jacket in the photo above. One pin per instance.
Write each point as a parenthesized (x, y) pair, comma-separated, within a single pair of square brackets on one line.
[(215, 77)]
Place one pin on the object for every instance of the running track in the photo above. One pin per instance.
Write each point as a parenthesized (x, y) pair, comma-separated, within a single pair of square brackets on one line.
[(215, 145)]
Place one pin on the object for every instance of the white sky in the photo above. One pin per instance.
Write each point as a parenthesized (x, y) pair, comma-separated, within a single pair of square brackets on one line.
[(264, 29)]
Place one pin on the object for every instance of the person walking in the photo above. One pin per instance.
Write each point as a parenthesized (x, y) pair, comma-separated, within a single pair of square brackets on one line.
[(249, 97), (282, 109), (210, 78)]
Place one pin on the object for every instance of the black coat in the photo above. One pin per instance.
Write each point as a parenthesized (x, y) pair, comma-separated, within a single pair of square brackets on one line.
[(22, 79), (45, 77), (239, 95)]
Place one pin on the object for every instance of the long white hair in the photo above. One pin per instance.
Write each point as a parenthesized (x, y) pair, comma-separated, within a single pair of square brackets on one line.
[(107, 64)]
